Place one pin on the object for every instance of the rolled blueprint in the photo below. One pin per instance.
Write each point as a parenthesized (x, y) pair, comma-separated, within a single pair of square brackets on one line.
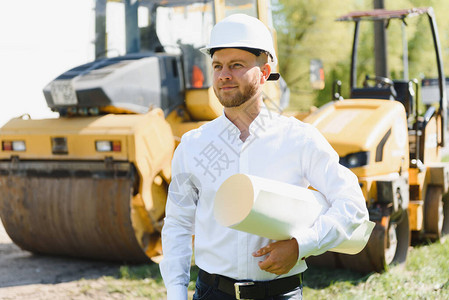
[(275, 210)]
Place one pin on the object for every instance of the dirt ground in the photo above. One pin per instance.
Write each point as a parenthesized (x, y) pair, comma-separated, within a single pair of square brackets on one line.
[(27, 276)]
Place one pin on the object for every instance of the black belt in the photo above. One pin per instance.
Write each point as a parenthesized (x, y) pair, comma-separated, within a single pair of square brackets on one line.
[(251, 289)]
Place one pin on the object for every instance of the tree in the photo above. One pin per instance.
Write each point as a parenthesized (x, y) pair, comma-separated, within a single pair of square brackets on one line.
[(307, 30)]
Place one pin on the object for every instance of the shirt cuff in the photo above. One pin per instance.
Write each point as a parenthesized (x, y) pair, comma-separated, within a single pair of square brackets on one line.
[(307, 243), (177, 292)]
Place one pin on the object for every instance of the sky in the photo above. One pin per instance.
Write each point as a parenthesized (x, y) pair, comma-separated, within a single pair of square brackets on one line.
[(39, 40)]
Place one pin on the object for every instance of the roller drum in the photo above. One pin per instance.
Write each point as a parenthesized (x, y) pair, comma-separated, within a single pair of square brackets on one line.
[(69, 208)]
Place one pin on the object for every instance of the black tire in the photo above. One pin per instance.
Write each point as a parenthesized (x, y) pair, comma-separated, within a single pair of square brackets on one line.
[(386, 246), (445, 229), (434, 214)]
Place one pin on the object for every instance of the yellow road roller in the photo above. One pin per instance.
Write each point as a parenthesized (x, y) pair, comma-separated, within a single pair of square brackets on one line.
[(93, 182), (380, 134)]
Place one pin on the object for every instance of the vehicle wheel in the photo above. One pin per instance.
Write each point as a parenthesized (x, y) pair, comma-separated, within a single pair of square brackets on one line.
[(434, 212), (325, 260), (445, 228), (387, 245)]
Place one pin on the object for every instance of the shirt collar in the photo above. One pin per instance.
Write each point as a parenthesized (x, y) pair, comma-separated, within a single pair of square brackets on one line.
[(264, 119)]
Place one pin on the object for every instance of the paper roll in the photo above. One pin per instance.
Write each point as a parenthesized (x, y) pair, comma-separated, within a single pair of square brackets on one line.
[(275, 210)]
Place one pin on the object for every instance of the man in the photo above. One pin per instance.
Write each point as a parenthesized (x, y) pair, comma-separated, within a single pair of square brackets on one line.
[(249, 139)]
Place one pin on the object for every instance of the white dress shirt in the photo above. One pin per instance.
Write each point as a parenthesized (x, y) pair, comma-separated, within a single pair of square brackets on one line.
[(278, 148)]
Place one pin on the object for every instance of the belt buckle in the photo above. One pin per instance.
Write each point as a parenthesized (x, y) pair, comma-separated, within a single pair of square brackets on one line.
[(237, 286)]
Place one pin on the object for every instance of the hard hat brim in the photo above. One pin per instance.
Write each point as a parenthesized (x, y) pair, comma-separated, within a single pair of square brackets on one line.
[(207, 51)]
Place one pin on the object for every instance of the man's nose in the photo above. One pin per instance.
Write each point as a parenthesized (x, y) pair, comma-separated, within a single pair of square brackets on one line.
[(225, 73)]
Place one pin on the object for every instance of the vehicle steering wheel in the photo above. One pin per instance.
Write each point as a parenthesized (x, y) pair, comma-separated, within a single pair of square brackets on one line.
[(379, 81)]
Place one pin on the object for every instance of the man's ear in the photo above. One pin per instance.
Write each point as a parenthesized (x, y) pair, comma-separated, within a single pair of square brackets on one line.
[(266, 70)]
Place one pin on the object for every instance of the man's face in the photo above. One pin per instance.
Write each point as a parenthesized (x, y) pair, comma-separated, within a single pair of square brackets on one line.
[(237, 76)]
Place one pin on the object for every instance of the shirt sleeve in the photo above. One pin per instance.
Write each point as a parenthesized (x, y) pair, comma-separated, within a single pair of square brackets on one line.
[(178, 229), (340, 186)]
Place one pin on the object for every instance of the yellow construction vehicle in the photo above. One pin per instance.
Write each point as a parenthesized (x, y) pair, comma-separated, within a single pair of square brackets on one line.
[(93, 182), (393, 149)]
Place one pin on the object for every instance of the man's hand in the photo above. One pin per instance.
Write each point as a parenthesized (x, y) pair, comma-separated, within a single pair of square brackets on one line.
[(281, 256)]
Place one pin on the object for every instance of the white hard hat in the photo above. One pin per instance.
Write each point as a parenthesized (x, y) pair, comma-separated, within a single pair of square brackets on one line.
[(242, 31)]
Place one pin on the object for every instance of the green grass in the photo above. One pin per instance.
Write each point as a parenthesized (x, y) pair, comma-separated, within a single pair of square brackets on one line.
[(424, 276), (137, 282)]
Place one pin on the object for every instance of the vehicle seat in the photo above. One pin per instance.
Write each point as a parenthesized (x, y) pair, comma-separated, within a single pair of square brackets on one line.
[(387, 93), (404, 95)]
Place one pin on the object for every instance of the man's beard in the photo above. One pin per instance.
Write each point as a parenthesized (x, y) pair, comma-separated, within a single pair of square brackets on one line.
[(238, 98)]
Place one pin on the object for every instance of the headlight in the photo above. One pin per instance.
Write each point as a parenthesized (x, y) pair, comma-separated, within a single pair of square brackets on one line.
[(354, 160), (13, 146), (108, 146)]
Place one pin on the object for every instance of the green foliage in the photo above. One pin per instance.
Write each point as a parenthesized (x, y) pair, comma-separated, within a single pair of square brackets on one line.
[(307, 30)]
